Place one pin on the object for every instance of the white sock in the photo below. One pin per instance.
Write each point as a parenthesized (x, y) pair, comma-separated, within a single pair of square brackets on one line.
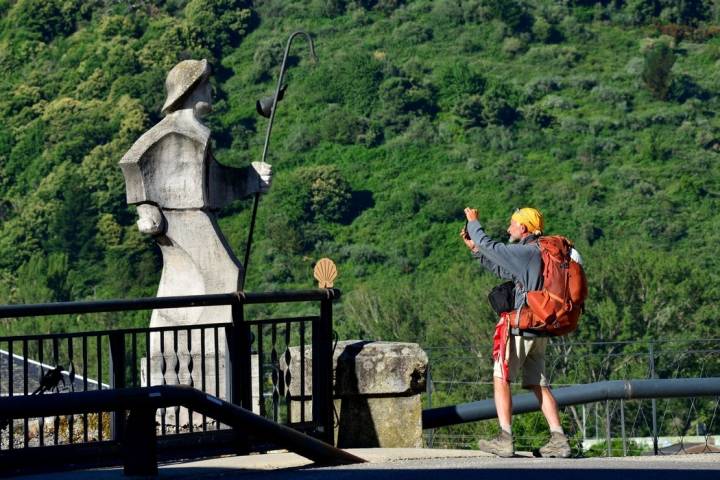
[(557, 430), (507, 429)]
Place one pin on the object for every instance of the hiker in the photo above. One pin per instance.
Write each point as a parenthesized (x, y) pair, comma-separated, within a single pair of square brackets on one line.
[(520, 262)]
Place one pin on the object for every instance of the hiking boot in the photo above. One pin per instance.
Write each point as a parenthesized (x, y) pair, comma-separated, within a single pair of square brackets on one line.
[(557, 447), (502, 445)]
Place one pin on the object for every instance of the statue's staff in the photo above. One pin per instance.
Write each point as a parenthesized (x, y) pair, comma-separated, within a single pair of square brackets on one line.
[(266, 107)]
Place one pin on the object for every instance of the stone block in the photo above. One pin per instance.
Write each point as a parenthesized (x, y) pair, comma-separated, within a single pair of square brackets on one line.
[(377, 388)]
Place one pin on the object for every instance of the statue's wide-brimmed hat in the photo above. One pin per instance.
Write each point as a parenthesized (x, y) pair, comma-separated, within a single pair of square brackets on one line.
[(181, 79)]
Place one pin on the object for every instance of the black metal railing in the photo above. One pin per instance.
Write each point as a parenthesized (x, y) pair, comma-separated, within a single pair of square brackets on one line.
[(243, 361), (138, 445)]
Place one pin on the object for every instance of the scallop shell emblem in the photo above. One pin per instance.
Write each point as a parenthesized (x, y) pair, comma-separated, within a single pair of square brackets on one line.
[(325, 272)]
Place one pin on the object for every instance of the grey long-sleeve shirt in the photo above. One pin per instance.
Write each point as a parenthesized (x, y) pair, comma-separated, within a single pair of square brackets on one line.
[(520, 262)]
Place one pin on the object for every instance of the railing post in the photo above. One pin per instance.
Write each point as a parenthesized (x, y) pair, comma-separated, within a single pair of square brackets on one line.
[(139, 443), (622, 427), (651, 354), (117, 380), (238, 375), (607, 428), (428, 390), (322, 370)]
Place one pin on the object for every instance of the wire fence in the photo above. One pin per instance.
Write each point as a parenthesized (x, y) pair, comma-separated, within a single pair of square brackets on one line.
[(614, 427)]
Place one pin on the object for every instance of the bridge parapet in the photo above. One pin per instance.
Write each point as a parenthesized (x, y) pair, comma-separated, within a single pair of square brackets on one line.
[(377, 392)]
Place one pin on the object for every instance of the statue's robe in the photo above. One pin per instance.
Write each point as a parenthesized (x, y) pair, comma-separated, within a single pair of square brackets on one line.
[(171, 166)]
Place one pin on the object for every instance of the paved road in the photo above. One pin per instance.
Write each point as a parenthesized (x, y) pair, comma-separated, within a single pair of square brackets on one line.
[(418, 464)]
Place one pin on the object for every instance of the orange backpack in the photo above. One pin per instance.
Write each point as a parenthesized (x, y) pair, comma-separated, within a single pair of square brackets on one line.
[(556, 308)]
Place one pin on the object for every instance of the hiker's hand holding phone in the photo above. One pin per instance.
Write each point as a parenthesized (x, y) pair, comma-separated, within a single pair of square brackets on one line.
[(466, 238)]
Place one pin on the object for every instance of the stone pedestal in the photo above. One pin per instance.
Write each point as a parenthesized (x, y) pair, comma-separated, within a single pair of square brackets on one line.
[(377, 392)]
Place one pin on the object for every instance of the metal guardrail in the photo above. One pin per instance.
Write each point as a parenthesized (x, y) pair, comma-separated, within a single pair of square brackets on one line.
[(115, 358), (138, 438), (576, 395), (664, 426)]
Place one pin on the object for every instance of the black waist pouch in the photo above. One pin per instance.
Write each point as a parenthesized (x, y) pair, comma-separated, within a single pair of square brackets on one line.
[(502, 297)]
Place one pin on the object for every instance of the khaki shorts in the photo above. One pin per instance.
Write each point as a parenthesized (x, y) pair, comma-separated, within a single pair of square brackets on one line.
[(528, 354)]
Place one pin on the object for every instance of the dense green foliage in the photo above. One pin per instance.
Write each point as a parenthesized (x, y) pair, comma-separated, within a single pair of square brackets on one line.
[(415, 109)]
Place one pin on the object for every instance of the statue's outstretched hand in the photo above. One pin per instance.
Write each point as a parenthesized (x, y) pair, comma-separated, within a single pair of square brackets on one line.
[(264, 173), (151, 221)]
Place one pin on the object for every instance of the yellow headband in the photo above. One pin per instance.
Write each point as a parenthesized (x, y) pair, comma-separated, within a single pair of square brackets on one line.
[(531, 218)]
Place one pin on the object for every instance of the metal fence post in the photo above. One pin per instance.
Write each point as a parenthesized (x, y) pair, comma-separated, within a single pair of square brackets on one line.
[(429, 389), (651, 359), (117, 380), (322, 373), (622, 427), (238, 375), (139, 444), (607, 428)]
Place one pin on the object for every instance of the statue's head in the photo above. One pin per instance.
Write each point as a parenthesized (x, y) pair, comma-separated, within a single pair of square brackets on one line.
[(182, 80)]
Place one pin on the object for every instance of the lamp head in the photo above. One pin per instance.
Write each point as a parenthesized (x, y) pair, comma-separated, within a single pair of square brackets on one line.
[(264, 105)]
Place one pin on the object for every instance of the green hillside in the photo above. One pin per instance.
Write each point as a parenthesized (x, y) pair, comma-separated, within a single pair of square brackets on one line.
[(602, 115)]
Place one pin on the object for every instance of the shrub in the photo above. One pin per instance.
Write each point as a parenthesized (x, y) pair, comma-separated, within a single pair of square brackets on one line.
[(470, 42), (634, 67), (559, 55), (340, 126), (500, 138), (420, 131), (266, 60), (538, 115), (610, 95), (412, 33), (539, 87), (449, 11), (683, 87), (283, 232), (546, 32), (402, 99), (406, 202), (355, 75), (583, 82), (459, 81), (443, 207), (513, 13), (557, 102), (329, 8), (385, 6), (470, 111), (687, 12), (301, 139), (499, 105), (329, 192), (513, 46), (656, 73)]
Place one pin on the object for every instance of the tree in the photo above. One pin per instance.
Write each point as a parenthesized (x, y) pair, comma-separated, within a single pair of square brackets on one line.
[(48, 18), (656, 73), (216, 24)]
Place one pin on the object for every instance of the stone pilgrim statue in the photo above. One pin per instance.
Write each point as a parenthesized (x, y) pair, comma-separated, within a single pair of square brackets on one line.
[(178, 187)]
